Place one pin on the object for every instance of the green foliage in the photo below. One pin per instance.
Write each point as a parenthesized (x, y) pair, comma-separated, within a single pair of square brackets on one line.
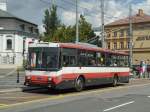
[(85, 29), (65, 34), (54, 31), (51, 23)]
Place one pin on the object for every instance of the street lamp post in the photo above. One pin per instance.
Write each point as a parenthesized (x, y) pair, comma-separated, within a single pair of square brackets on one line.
[(130, 37), (102, 24)]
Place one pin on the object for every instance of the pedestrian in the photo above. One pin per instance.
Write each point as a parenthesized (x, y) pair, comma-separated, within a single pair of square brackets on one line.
[(145, 69), (141, 72), (142, 69)]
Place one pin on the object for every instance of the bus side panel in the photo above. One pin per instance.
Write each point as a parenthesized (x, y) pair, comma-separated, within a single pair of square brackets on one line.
[(92, 75)]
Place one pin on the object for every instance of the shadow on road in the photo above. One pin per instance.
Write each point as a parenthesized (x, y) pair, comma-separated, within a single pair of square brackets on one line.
[(48, 91)]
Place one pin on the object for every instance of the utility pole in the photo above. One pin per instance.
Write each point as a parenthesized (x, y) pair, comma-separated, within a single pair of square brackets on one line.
[(102, 24), (53, 2), (77, 24), (130, 36)]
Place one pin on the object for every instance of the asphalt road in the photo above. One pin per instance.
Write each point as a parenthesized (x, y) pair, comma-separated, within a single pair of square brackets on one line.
[(133, 97)]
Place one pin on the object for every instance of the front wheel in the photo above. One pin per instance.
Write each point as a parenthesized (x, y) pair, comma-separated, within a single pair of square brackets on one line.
[(79, 84)]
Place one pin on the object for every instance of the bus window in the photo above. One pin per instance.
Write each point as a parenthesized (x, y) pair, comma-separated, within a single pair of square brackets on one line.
[(118, 60), (126, 60), (72, 60), (82, 58), (65, 60), (100, 59), (69, 60), (69, 57), (91, 58), (122, 61), (109, 60), (51, 60), (43, 58), (103, 59)]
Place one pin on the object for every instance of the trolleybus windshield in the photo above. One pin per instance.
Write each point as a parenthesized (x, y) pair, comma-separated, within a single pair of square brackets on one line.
[(43, 58)]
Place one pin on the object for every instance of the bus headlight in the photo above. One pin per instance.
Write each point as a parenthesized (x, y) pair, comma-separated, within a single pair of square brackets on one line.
[(49, 78), (28, 77)]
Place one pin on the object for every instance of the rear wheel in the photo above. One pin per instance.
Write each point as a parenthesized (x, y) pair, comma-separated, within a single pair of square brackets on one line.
[(79, 84), (115, 81)]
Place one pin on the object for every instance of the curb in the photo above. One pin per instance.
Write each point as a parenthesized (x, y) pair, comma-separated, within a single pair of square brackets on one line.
[(21, 89)]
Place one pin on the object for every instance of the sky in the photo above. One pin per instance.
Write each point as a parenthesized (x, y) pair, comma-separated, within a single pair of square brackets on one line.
[(33, 10)]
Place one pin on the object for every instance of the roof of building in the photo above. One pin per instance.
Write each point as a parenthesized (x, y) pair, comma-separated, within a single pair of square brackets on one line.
[(141, 17), (4, 14)]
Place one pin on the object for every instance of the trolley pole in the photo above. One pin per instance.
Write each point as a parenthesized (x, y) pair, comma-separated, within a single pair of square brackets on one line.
[(130, 37), (77, 23), (102, 24)]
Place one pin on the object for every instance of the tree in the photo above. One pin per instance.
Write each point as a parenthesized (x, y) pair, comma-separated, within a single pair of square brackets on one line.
[(54, 31), (85, 29), (51, 23), (65, 34)]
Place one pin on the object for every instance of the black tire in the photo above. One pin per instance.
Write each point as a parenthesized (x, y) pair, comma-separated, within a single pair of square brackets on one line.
[(79, 84), (115, 81)]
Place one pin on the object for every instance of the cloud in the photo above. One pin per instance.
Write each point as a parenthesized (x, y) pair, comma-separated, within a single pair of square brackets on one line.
[(68, 18), (33, 10), (30, 10)]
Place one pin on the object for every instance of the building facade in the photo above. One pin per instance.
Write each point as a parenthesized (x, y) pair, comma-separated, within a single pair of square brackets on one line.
[(15, 35), (117, 36)]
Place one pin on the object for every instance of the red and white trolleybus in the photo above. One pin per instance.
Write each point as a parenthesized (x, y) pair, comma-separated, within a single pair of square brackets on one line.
[(69, 65)]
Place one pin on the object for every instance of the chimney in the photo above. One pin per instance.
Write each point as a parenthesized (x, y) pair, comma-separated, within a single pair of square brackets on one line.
[(140, 12), (3, 5)]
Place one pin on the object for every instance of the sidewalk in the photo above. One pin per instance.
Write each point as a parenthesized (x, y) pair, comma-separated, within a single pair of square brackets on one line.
[(8, 81), (8, 66)]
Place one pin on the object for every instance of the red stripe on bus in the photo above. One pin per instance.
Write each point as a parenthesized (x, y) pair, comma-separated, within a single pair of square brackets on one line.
[(57, 79), (94, 75)]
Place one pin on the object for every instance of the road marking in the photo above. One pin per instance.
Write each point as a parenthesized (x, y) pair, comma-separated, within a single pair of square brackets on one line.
[(118, 106), (3, 105), (33, 101), (148, 96), (23, 97)]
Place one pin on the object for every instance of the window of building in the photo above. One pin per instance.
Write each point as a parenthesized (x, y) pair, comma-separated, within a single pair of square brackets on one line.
[(108, 35), (128, 45), (127, 32), (31, 29), (9, 44), (121, 33), (115, 34), (36, 31), (115, 45), (121, 45), (108, 45), (22, 27)]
